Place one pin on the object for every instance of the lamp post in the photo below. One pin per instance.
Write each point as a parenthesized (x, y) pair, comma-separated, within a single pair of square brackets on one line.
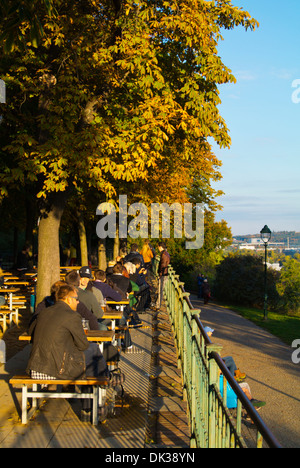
[(265, 235)]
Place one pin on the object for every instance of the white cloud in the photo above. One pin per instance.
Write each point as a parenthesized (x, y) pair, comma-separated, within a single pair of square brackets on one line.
[(245, 75)]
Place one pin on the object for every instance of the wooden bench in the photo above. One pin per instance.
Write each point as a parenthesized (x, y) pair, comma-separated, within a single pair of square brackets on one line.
[(7, 315), (99, 385)]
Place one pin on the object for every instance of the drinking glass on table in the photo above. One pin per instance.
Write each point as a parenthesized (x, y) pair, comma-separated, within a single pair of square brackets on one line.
[(85, 325)]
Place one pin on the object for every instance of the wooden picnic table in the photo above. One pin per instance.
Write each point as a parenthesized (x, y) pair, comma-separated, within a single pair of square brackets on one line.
[(9, 290), (16, 283), (120, 303), (112, 314), (93, 336), (96, 336)]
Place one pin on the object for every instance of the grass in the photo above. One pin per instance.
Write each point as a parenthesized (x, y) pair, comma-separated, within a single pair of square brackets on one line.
[(285, 327)]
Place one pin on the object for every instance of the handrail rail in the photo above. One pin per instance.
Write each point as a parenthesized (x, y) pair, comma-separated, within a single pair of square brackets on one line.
[(183, 315), (254, 415)]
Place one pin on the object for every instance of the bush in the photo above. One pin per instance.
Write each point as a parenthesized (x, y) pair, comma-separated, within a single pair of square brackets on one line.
[(289, 286), (240, 280)]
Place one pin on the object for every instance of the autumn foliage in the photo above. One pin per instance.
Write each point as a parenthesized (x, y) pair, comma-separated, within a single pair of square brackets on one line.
[(112, 95)]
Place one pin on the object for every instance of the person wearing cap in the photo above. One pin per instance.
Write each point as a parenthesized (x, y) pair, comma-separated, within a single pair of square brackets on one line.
[(86, 275), (86, 297), (209, 331)]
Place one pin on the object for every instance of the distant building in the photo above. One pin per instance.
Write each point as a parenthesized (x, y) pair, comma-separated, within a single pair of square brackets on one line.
[(274, 266)]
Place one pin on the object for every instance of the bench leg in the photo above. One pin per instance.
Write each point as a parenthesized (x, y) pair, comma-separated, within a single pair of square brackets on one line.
[(4, 324), (34, 400), (101, 396), (95, 406), (24, 404)]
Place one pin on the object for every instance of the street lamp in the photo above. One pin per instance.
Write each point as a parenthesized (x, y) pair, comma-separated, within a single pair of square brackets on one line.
[(265, 235)]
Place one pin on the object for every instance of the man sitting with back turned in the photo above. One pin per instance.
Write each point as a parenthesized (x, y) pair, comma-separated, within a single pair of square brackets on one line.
[(60, 347), (59, 340)]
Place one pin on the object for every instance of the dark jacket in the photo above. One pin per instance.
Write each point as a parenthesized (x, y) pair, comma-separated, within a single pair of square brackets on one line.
[(59, 343), (121, 282), (133, 255), (164, 263), (108, 293)]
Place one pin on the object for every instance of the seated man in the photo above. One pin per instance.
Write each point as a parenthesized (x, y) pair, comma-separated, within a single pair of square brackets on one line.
[(81, 308), (120, 280), (139, 277), (86, 297), (86, 276), (134, 253), (59, 341), (60, 349), (108, 292)]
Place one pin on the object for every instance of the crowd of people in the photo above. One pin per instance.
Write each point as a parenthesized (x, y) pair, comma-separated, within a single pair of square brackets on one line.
[(60, 349)]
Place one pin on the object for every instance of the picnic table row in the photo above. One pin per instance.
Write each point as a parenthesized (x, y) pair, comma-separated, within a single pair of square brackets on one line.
[(14, 287)]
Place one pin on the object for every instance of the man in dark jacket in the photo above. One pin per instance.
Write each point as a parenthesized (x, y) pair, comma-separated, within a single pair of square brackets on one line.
[(163, 269), (59, 341), (120, 280), (134, 253)]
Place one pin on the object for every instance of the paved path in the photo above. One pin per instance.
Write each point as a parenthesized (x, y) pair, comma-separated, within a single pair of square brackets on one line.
[(266, 360)]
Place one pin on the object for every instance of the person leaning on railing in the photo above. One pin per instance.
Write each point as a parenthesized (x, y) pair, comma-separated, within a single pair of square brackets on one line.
[(163, 268)]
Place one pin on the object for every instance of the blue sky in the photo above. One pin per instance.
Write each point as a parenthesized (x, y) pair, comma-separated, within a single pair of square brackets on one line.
[(262, 168)]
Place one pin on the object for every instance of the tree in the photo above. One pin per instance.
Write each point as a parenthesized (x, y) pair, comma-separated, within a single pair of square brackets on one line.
[(105, 96), (240, 280), (289, 285), (14, 13)]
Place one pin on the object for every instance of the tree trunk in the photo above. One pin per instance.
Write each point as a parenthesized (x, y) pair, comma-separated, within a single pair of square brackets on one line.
[(116, 252), (48, 247), (102, 262), (83, 242)]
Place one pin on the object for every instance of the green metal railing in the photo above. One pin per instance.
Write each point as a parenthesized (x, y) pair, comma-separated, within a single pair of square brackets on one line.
[(212, 424)]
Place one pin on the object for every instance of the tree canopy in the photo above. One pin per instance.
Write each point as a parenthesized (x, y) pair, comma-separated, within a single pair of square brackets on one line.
[(105, 94)]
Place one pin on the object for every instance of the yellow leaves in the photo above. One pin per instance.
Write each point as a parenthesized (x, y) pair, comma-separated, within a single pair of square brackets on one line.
[(152, 89)]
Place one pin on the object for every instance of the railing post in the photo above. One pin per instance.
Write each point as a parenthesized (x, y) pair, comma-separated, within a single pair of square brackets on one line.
[(214, 378)]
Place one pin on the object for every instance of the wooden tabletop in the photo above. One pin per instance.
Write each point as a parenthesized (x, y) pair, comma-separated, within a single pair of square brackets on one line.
[(9, 290), (112, 314), (92, 335), (13, 283), (118, 303), (100, 335)]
